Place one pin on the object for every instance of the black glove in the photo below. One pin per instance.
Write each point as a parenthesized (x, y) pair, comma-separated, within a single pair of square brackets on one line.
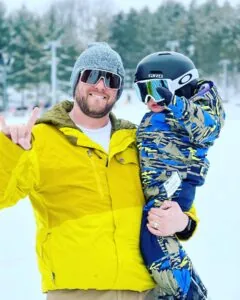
[(166, 96)]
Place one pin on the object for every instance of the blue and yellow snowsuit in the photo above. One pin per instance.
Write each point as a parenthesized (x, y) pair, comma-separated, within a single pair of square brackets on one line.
[(176, 139)]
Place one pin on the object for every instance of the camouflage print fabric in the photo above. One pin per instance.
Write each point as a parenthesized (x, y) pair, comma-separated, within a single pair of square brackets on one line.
[(170, 266), (177, 139)]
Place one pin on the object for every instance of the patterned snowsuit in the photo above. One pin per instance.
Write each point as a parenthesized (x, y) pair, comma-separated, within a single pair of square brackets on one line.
[(176, 140)]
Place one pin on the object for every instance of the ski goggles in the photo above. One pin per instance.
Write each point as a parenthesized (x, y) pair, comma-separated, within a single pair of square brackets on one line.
[(147, 89), (92, 76)]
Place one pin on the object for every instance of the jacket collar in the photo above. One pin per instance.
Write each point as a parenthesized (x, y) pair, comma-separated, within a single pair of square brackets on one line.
[(59, 117)]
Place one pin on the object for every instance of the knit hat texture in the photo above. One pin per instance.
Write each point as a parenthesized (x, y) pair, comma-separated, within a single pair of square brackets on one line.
[(101, 56)]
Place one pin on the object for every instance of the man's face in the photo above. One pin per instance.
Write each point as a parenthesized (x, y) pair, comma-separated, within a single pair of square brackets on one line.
[(95, 100)]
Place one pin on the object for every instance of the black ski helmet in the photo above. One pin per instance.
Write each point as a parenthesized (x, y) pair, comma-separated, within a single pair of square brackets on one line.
[(169, 65)]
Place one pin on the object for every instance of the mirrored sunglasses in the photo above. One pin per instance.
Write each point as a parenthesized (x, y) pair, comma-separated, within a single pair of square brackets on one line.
[(92, 76)]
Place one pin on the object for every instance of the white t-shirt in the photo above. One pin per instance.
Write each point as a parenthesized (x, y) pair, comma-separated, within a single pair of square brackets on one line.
[(100, 135)]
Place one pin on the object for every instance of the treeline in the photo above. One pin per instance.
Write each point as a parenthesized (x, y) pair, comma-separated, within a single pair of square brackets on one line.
[(209, 33)]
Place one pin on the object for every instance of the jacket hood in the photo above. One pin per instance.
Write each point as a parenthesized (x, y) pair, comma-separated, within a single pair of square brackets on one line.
[(58, 116)]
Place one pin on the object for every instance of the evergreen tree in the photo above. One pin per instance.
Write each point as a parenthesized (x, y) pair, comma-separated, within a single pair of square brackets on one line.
[(208, 33), (5, 57), (26, 46), (117, 36), (169, 26), (147, 32), (102, 24), (126, 37), (208, 40), (188, 42), (4, 29), (67, 57)]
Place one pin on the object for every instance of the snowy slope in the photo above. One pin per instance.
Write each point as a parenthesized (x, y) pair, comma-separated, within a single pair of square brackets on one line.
[(214, 248)]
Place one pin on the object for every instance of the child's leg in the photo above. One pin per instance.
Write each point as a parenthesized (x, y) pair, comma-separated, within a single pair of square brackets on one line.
[(169, 264), (175, 274)]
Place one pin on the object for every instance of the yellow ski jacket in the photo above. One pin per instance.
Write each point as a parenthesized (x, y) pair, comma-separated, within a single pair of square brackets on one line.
[(87, 203)]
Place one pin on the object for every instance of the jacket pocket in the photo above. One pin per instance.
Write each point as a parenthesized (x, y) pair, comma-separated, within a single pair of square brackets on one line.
[(128, 156)]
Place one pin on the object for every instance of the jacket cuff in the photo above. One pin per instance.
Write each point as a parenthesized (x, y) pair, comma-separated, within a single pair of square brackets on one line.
[(188, 231)]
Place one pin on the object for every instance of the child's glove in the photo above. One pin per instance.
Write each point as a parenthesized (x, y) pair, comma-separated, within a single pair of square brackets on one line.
[(204, 87), (166, 96)]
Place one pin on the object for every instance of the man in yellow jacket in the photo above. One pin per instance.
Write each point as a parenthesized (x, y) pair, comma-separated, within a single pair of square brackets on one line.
[(79, 166)]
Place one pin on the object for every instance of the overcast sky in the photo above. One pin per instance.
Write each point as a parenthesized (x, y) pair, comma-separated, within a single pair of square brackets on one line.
[(39, 5)]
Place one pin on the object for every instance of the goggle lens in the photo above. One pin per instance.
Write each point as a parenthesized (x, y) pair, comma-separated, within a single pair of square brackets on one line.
[(147, 89)]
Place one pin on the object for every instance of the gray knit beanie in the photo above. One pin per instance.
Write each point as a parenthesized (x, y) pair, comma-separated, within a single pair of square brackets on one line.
[(101, 56)]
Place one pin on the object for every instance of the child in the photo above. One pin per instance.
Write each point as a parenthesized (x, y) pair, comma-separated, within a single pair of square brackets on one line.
[(185, 118)]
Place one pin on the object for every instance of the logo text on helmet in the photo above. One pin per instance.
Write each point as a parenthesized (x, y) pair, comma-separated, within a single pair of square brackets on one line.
[(185, 79), (155, 75)]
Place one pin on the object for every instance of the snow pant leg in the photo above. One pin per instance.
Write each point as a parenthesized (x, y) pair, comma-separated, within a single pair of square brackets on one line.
[(168, 263)]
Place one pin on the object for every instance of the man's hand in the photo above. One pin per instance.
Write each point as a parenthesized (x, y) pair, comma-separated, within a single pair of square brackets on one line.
[(20, 134), (167, 219)]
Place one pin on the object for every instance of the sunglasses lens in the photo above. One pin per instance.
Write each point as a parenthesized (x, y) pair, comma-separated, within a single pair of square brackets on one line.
[(90, 76), (111, 80), (148, 89)]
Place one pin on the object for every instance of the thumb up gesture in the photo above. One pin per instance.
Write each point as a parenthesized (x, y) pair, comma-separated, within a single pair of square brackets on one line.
[(20, 134)]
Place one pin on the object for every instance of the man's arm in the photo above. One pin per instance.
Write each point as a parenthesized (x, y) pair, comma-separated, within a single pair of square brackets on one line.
[(17, 166)]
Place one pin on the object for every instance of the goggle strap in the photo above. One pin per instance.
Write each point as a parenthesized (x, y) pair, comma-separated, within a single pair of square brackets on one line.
[(185, 78)]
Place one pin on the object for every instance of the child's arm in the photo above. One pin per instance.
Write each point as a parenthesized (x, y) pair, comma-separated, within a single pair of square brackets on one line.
[(202, 116)]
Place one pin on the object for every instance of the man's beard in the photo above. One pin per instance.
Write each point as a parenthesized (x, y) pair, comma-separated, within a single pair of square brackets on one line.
[(83, 105)]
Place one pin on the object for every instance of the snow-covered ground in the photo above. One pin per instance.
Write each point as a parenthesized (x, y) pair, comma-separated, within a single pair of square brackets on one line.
[(213, 249)]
